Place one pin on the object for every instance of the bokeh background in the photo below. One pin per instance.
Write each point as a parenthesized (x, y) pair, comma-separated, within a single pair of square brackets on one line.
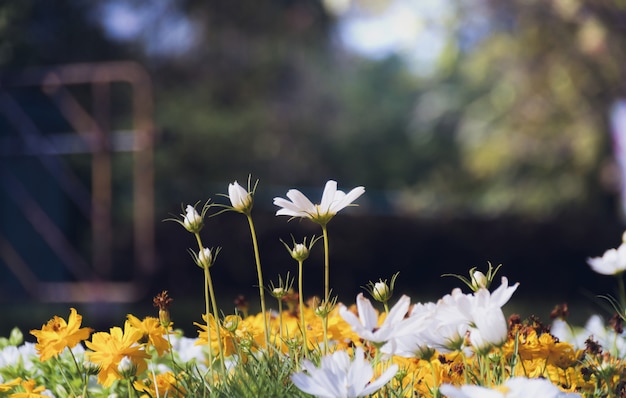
[(483, 131)]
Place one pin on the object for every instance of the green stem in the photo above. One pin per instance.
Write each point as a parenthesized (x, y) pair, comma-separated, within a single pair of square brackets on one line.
[(622, 294), (206, 309), (216, 318), (305, 343), (280, 320), (326, 265), (79, 372), (208, 321), (326, 287), (260, 276)]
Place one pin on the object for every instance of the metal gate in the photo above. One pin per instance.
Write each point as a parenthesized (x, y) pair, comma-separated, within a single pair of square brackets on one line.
[(39, 259)]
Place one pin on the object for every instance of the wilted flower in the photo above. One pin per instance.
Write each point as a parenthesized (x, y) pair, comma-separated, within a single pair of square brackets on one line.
[(338, 377), (332, 202)]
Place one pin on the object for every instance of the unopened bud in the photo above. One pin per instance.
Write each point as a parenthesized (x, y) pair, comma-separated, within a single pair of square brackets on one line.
[(300, 252), (126, 367), (381, 292), (192, 221), (479, 281), (231, 323), (205, 258)]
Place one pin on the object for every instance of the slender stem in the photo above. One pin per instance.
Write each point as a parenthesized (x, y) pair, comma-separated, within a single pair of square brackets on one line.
[(305, 342), (622, 293), (206, 309), (85, 378), (260, 276), (208, 320), (280, 320), (326, 287), (216, 318), (326, 265)]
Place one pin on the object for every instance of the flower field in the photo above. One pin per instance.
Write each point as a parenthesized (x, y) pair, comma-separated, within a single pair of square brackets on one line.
[(383, 345)]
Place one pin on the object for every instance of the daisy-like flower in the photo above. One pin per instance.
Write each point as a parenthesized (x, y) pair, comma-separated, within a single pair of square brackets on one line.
[(332, 202), (108, 349), (612, 262), (516, 387), (152, 331), (30, 391), (338, 377), (366, 325), (58, 334)]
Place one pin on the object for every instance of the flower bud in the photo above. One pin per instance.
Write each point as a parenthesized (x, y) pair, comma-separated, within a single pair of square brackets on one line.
[(479, 281), (231, 323), (126, 367), (381, 292), (205, 258), (279, 292), (192, 220), (240, 198), (300, 252)]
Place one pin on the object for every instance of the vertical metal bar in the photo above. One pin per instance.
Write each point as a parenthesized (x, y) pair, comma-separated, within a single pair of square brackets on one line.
[(101, 177), (144, 179)]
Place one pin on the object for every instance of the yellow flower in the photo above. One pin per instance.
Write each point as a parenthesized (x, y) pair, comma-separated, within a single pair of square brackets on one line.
[(30, 391), (239, 333), (153, 331), (58, 334), (4, 387), (166, 385), (108, 349)]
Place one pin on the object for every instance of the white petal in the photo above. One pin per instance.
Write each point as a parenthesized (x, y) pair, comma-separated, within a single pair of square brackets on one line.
[(367, 313), (380, 382), (301, 201), (346, 199), (328, 196)]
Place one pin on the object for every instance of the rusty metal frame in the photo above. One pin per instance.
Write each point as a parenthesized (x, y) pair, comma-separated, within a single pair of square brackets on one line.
[(92, 282)]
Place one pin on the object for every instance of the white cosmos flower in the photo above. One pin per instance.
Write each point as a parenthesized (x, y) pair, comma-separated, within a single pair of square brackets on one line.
[(333, 200), (366, 325), (612, 262), (516, 387), (240, 198), (338, 377)]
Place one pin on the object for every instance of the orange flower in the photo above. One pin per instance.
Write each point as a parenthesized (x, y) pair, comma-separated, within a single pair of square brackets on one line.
[(153, 331), (30, 391), (110, 348), (58, 334)]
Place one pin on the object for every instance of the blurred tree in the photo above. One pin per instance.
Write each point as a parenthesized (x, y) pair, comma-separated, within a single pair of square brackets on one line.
[(531, 99)]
